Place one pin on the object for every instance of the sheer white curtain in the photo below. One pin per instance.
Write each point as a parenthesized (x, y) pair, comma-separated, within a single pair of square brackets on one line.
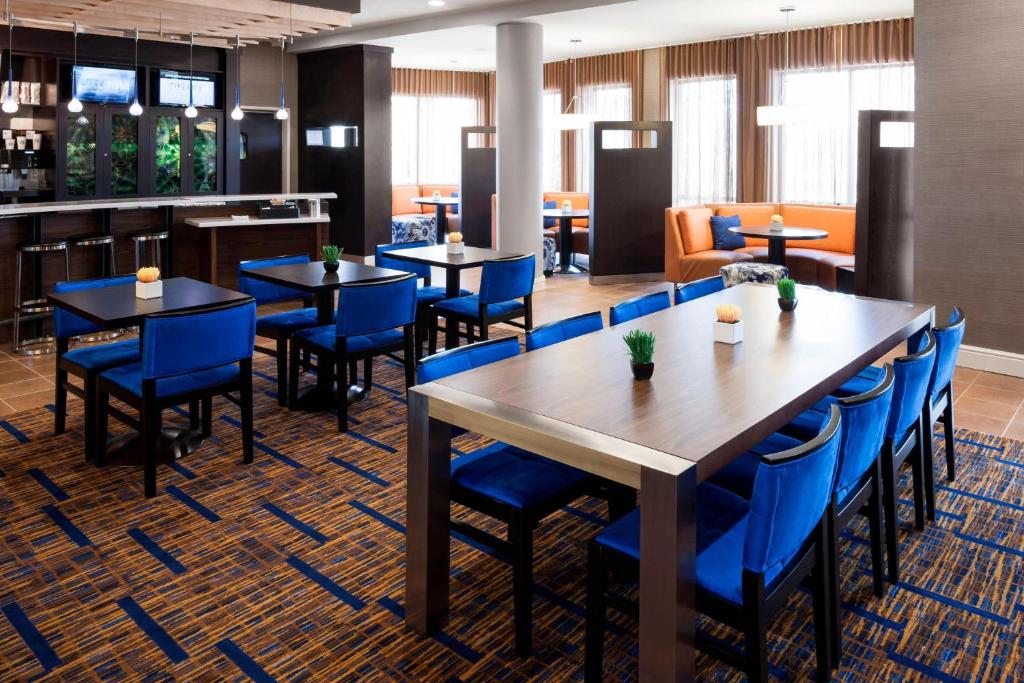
[(704, 149), (608, 102), (552, 141), (425, 138), (817, 162)]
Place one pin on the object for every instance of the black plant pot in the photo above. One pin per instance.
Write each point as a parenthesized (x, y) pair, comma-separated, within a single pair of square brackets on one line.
[(331, 267), (788, 304), (642, 370)]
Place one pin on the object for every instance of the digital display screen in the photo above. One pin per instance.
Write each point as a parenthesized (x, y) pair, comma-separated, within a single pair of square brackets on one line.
[(174, 89), (104, 85)]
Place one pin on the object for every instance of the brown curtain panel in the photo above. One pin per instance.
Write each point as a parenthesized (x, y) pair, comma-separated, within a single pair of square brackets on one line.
[(427, 83)]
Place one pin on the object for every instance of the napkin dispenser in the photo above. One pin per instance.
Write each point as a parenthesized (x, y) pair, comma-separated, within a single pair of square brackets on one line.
[(279, 209)]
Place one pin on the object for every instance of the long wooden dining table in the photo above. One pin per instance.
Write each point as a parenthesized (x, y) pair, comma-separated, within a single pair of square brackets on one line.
[(577, 403)]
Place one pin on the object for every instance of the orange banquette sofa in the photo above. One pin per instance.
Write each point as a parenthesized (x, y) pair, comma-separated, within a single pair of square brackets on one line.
[(689, 252), (580, 226), (402, 204)]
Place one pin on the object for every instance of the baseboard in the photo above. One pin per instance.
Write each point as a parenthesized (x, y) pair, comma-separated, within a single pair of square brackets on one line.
[(991, 360)]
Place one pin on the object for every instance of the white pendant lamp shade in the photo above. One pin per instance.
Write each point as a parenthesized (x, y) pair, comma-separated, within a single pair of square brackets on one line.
[(75, 104), (282, 113), (10, 104), (190, 111), (136, 108), (236, 113), (573, 121), (780, 114)]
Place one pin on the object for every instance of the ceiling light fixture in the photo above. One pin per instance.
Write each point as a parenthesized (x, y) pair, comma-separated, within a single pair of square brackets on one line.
[(190, 111), (136, 108), (282, 113), (436, 3), (782, 114), (236, 113), (10, 104), (572, 118), (75, 104)]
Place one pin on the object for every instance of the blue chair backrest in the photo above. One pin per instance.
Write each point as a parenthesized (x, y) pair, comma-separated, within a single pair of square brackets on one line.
[(464, 358), (791, 491), (506, 279), (67, 324), (913, 373), (180, 343), (640, 306), (864, 420), (947, 341), (698, 288), (382, 260), (376, 306), (563, 330), (267, 292)]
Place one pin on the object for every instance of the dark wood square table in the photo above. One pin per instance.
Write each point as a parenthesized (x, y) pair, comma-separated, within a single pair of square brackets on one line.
[(707, 403), (437, 256)]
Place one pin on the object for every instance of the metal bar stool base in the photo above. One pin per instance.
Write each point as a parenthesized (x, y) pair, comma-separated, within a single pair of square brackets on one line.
[(40, 346)]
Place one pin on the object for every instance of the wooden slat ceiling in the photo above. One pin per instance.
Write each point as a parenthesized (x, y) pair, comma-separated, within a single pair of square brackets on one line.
[(215, 22)]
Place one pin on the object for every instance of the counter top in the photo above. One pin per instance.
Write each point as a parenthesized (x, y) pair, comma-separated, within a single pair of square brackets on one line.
[(15, 210), (229, 222)]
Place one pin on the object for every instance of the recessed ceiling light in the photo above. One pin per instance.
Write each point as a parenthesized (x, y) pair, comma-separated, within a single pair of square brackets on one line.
[(435, 3)]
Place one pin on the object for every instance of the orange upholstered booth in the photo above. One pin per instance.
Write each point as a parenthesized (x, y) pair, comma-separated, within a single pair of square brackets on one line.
[(402, 204), (689, 252)]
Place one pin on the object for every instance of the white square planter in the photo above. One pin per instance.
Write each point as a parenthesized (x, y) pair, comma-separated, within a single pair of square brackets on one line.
[(728, 333), (149, 290), (456, 247)]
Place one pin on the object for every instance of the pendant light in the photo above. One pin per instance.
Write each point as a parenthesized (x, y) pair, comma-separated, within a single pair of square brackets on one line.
[(236, 113), (10, 104), (75, 104), (282, 113), (190, 111), (782, 114), (572, 118), (136, 108)]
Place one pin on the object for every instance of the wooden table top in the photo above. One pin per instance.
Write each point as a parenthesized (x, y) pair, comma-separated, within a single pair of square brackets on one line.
[(444, 201), (311, 277), (707, 401), (558, 213), (437, 255), (114, 307), (229, 222), (786, 233)]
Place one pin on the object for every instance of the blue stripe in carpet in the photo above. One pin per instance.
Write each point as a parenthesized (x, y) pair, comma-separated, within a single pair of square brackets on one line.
[(279, 456), (980, 445), (990, 544), (976, 496), (938, 512), (183, 471), (31, 635), (52, 408), (154, 549), (180, 411), (372, 442), (238, 425), (326, 583), (387, 389), (65, 524), (992, 616), (263, 375), (448, 641), (193, 503), (382, 518), (14, 431), (301, 526), (44, 481), (1009, 462), (153, 630), (874, 618), (358, 470), (588, 516), (929, 671), (244, 662)]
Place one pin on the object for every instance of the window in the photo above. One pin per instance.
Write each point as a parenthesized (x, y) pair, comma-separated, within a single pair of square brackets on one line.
[(703, 115), (426, 138), (552, 142), (817, 163), (608, 102)]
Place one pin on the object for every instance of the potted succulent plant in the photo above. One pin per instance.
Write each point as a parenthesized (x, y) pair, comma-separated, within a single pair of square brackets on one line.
[(148, 284), (775, 223), (787, 294), (332, 257), (640, 346), (455, 243), (729, 326)]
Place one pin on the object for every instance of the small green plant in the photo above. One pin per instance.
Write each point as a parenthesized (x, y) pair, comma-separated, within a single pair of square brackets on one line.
[(641, 346), (332, 253), (787, 289)]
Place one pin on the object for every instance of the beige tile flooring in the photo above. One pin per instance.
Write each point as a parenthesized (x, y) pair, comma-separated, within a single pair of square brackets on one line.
[(985, 402)]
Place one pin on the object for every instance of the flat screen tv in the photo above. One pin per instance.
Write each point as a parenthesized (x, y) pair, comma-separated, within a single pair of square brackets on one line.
[(173, 89), (103, 84)]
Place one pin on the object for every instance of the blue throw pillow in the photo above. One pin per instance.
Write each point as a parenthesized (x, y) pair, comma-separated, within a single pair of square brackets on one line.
[(550, 222), (455, 207), (723, 239)]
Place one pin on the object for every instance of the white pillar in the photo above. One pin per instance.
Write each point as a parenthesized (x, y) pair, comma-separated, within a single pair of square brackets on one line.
[(520, 123)]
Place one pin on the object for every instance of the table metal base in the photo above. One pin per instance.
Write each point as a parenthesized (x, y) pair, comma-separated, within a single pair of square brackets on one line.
[(318, 399), (173, 444), (571, 269)]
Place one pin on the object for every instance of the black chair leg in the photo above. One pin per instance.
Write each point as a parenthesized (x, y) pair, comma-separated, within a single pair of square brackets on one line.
[(928, 462), (207, 413), (245, 407), (353, 374), (483, 330), (293, 374), (469, 333), (835, 614), (597, 586), (521, 537), (410, 356), (100, 400), (947, 427), (90, 383), (917, 469), (432, 337), (892, 545), (194, 415), (149, 417), (341, 395), (875, 530), (282, 372), (756, 645), (823, 628), (367, 373), (60, 402)]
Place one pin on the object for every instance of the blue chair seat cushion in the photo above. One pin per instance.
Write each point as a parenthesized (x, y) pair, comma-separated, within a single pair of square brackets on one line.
[(431, 295), (512, 476), (469, 307), (129, 377), (286, 323), (99, 358), (325, 338)]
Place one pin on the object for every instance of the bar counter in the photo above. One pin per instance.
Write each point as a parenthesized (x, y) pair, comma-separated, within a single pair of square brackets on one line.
[(204, 242)]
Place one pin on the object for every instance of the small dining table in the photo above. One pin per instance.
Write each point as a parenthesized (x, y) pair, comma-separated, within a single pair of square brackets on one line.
[(577, 403), (777, 237), (440, 205), (565, 219)]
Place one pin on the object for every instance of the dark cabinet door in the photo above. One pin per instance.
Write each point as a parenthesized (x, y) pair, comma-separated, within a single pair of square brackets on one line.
[(78, 154), (100, 153), (187, 154)]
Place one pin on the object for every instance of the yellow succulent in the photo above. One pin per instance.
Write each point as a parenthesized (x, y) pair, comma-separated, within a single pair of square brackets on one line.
[(729, 313), (148, 274)]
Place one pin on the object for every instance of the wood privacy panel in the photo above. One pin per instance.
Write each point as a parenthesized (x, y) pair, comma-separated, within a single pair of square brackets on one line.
[(885, 209), (969, 160), (479, 183), (630, 189)]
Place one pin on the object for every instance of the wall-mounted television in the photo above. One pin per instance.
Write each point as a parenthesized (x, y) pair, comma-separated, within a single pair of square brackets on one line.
[(104, 84), (172, 89)]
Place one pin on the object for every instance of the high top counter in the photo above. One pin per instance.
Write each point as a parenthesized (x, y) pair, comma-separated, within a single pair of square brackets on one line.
[(135, 203)]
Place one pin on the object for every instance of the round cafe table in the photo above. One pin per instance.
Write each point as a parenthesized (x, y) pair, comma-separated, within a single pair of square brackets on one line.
[(565, 236), (440, 205), (777, 238)]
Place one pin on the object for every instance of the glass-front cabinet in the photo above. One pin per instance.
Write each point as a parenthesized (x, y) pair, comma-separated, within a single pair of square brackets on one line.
[(188, 156), (80, 167)]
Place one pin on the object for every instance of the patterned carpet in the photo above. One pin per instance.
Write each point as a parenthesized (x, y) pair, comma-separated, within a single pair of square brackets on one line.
[(292, 568)]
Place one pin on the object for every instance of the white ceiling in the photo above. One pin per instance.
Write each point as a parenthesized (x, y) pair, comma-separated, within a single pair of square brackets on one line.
[(460, 35)]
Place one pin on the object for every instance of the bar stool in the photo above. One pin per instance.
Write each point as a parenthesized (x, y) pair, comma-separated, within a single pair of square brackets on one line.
[(142, 238), (109, 269), (35, 307)]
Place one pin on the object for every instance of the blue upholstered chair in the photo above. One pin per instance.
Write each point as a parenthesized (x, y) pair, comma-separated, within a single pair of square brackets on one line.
[(277, 326), (631, 309), (85, 362), (563, 330), (698, 288), (503, 283), (939, 405), (426, 295), (513, 486), (186, 357), (750, 555), (373, 319)]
